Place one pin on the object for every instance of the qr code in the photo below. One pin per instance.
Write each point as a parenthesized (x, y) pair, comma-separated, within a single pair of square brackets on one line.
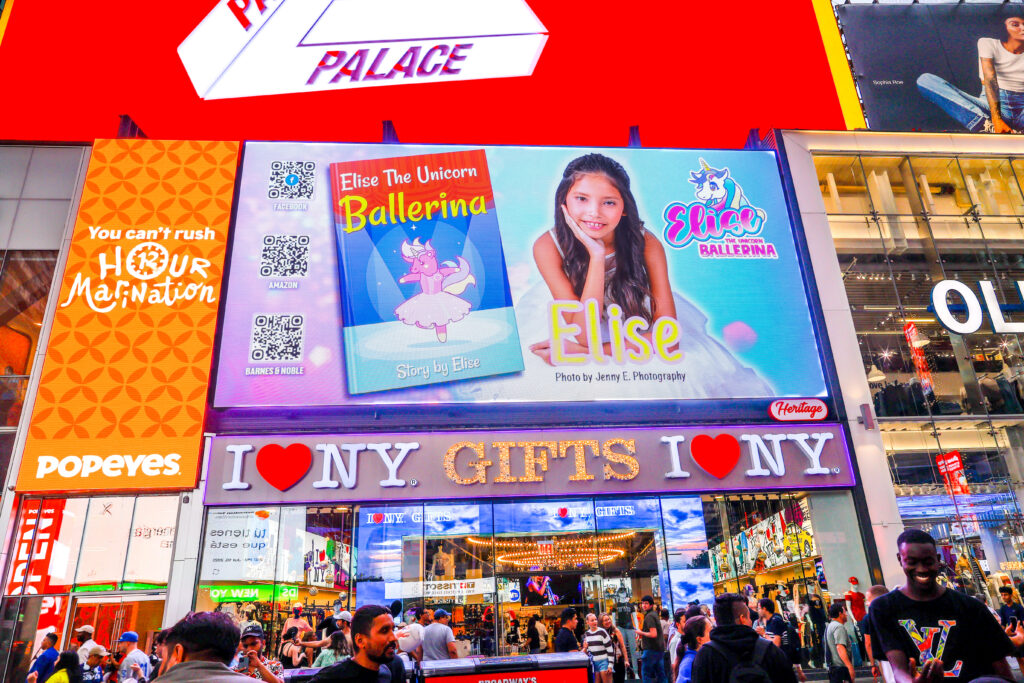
[(284, 256), (291, 179), (276, 337)]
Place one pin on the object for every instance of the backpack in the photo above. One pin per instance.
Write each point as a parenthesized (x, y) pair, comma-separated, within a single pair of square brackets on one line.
[(791, 644), (746, 669)]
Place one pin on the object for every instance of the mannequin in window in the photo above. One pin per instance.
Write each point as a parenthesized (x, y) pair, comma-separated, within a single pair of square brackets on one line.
[(855, 599), (442, 565)]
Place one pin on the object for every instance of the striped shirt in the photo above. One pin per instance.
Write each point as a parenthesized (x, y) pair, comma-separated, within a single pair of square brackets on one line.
[(599, 644)]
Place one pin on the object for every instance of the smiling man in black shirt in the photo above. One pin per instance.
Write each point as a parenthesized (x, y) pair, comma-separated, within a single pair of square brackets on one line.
[(947, 634)]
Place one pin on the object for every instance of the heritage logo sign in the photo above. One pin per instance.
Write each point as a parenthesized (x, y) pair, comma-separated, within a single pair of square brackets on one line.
[(455, 465)]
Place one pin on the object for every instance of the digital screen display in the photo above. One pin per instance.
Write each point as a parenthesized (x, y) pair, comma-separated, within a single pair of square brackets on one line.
[(392, 274)]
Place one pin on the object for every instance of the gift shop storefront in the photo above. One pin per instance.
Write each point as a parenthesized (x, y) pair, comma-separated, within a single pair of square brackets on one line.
[(420, 400), (497, 526)]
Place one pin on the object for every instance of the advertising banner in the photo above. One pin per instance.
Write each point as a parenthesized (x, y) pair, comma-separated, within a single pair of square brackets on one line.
[(451, 466), (938, 67), (123, 388), (240, 545), (951, 467), (390, 274)]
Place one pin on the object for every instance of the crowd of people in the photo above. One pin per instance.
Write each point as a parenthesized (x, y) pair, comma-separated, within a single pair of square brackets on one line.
[(920, 632)]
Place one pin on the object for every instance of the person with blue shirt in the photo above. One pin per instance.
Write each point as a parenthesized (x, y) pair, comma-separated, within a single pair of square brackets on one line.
[(696, 632), (43, 666), (134, 664)]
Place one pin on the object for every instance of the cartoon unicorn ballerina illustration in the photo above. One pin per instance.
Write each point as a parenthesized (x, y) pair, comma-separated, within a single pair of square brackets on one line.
[(718, 191), (436, 306)]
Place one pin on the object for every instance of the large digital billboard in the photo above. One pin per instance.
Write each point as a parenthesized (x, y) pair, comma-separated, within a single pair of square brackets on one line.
[(938, 67), (385, 274), (125, 378)]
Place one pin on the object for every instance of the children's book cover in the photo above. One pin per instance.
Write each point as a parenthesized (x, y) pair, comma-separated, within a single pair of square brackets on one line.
[(424, 287)]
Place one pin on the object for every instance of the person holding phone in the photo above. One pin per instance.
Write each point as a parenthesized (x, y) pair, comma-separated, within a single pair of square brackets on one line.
[(1011, 613)]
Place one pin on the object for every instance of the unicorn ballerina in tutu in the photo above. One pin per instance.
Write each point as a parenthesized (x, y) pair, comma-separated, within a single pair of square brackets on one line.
[(436, 306)]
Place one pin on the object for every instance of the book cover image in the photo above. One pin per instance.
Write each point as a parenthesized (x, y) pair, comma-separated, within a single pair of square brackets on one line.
[(424, 287)]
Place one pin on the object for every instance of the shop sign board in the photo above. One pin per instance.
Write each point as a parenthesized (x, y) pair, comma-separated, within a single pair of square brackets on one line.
[(122, 393), (974, 307), (264, 47), (921, 66), (456, 465), (459, 279)]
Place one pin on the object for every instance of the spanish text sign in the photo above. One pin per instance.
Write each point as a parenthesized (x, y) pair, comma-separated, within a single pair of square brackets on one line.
[(123, 389), (410, 274), (452, 465)]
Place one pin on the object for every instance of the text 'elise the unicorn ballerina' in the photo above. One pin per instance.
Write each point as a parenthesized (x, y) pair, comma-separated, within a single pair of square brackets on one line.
[(436, 306)]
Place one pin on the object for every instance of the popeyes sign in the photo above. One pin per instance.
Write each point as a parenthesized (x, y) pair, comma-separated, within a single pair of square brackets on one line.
[(438, 465), (122, 393)]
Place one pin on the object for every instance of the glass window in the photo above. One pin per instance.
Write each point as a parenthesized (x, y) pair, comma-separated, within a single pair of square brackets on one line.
[(25, 278), (151, 545), (389, 554), (236, 575), (105, 544)]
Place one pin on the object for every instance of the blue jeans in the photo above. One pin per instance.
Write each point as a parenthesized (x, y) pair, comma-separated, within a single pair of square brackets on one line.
[(970, 111), (654, 667)]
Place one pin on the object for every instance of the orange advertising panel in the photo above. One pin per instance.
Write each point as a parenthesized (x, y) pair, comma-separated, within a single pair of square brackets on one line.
[(123, 389)]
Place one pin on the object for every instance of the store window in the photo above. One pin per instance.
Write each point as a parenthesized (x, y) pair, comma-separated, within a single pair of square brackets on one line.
[(101, 561), (37, 185), (900, 225), (950, 406), (492, 566)]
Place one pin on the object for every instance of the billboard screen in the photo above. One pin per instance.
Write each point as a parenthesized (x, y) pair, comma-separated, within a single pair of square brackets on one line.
[(386, 274), (938, 67), (125, 377)]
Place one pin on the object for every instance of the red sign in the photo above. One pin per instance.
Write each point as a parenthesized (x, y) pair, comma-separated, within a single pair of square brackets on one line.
[(798, 410), (128, 63), (37, 536), (915, 342), (951, 467)]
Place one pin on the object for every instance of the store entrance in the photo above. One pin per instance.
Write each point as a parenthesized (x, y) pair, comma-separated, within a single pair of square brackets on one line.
[(591, 570), (113, 616)]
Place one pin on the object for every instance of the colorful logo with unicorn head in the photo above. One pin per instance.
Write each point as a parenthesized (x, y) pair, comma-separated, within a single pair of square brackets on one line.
[(722, 222)]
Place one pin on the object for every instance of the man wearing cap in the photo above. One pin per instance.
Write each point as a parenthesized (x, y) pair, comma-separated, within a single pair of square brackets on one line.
[(438, 639), (252, 662), (83, 634), (345, 626), (134, 664), (92, 670)]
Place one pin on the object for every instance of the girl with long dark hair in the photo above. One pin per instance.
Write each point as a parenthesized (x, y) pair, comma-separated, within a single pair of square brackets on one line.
[(696, 632), (599, 250)]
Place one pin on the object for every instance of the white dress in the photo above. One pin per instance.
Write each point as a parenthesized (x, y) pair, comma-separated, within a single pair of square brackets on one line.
[(711, 371)]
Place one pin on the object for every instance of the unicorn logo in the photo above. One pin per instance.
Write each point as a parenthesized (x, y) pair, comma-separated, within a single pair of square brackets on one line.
[(722, 212), (719, 191)]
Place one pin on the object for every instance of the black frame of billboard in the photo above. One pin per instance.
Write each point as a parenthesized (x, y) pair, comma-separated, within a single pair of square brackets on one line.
[(454, 416)]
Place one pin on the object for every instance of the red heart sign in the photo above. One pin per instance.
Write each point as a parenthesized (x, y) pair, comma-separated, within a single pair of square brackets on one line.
[(717, 456), (282, 468), (378, 517), (562, 512)]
